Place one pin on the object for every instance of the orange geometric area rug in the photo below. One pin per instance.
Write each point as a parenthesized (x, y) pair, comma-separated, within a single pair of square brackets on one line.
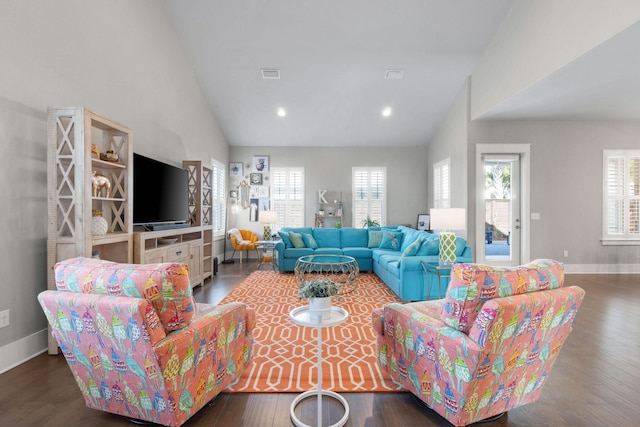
[(284, 353)]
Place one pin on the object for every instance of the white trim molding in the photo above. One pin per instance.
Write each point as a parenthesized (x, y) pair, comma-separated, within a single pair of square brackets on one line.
[(18, 352), (602, 268)]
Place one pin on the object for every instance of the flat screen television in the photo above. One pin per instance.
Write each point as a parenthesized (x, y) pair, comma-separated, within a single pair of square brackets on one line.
[(160, 192)]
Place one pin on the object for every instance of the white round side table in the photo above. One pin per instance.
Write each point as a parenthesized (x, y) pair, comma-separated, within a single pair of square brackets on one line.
[(302, 316)]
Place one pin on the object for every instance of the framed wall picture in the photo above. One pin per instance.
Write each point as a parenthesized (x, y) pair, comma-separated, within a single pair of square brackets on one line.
[(424, 222), (253, 210), (235, 169), (263, 192), (255, 179), (260, 163)]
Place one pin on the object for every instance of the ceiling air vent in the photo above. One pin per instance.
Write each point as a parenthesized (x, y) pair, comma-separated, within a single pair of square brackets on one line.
[(394, 74), (270, 74)]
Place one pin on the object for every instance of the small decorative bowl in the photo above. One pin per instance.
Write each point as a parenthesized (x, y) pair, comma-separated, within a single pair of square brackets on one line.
[(109, 156)]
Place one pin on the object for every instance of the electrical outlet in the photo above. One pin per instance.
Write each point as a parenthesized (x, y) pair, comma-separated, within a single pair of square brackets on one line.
[(4, 318), (566, 253)]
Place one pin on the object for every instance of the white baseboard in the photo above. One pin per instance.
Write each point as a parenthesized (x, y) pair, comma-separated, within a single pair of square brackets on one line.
[(17, 352), (602, 268)]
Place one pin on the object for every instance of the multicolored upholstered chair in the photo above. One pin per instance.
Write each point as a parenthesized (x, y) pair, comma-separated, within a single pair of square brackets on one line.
[(137, 343), (243, 240), (487, 347)]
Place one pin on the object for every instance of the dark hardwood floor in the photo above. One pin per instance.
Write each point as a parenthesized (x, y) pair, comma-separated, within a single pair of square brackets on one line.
[(595, 382)]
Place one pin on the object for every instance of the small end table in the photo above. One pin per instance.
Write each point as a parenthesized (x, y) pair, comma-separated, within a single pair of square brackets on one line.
[(441, 271), (266, 246), (302, 316)]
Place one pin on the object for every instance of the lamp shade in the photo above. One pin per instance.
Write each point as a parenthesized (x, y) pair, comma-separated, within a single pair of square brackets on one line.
[(448, 219), (268, 217)]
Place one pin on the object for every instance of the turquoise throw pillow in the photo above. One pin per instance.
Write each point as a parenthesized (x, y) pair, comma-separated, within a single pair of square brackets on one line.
[(375, 238), (460, 245), (309, 241), (284, 235), (413, 248), (431, 246), (391, 240), (296, 239)]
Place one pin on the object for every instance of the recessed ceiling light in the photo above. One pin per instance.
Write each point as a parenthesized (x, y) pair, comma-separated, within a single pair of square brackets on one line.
[(394, 74), (270, 73), (386, 111), (282, 112)]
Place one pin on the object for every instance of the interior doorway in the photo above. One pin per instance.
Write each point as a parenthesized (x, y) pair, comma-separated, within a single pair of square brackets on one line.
[(502, 204)]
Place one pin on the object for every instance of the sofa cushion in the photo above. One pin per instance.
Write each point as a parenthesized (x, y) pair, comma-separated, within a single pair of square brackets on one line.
[(357, 252), (327, 237), (409, 235), (391, 240), (413, 248), (284, 235), (354, 237), (377, 253), (473, 284), (328, 251), (297, 252), (296, 239), (375, 238), (309, 241), (430, 246), (385, 259)]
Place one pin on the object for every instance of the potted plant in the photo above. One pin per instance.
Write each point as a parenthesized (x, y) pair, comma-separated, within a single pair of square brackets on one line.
[(319, 293), (370, 222)]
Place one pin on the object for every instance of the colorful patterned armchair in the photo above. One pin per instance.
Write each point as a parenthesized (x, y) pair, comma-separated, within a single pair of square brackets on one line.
[(137, 343), (487, 347)]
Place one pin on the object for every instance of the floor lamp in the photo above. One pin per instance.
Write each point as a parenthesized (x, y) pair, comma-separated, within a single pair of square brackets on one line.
[(446, 220), (235, 208)]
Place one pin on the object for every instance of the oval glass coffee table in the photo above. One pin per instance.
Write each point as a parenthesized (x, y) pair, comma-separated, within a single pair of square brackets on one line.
[(342, 269)]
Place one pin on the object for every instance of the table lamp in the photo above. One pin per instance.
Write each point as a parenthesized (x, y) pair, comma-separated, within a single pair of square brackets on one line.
[(267, 218), (446, 220)]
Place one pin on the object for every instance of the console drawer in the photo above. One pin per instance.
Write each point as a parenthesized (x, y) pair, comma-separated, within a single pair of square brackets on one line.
[(178, 252)]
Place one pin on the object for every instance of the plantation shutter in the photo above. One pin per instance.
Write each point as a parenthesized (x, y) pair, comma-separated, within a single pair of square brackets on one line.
[(369, 198), (621, 205), (441, 184), (218, 199), (287, 193)]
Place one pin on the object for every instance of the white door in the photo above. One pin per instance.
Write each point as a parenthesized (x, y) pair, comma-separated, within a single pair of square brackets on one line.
[(500, 209)]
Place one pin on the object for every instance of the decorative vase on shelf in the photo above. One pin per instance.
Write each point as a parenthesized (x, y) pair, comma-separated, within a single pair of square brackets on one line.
[(99, 225), (320, 308)]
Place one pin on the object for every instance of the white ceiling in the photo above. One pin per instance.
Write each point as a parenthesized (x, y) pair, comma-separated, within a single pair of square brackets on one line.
[(333, 55)]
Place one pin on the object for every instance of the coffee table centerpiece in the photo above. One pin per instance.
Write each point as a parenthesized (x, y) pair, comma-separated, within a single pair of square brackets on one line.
[(341, 269)]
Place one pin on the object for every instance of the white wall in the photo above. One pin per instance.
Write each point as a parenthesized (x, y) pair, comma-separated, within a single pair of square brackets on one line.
[(119, 58), (539, 37), (329, 168), (451, 141), (566, 187)]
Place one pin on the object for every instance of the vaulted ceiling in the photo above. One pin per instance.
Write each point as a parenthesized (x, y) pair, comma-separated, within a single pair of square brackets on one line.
[(332, 58)]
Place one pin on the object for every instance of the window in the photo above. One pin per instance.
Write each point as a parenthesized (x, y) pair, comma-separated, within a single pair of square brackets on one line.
[(287, 196), (441, 184), (621, 192), (369, 195), (218, 198)]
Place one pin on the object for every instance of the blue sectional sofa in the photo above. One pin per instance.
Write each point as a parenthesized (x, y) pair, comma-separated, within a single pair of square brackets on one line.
[(393, 253)]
